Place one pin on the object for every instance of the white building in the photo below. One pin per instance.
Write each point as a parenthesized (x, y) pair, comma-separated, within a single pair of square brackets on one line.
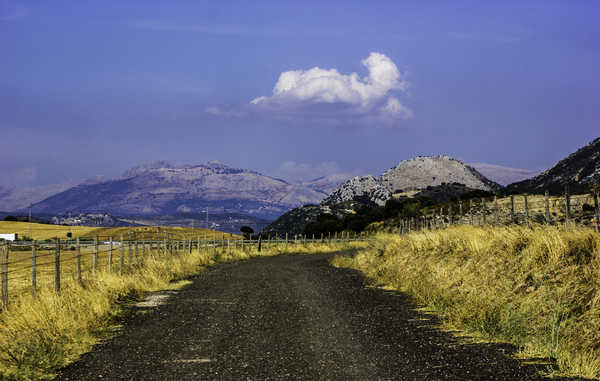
[(9, 236)]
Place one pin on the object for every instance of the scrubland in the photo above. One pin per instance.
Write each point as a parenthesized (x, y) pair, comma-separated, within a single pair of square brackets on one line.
[(536, 287)]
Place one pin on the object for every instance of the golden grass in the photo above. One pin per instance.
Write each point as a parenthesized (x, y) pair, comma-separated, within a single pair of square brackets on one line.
[(538, 288), (40, 335), (47, 231)]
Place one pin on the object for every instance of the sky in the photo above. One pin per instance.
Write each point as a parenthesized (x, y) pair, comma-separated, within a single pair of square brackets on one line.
[(292, 89)]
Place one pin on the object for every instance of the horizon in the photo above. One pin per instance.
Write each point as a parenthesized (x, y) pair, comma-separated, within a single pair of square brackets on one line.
[(290, 90)]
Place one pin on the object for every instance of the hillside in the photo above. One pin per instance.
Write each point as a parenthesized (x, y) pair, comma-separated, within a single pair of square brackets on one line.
[(410, 177), (580, 170), (162, 188)]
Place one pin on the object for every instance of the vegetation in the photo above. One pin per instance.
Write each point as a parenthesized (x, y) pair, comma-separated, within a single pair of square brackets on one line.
[(537, 287), (40, 335)]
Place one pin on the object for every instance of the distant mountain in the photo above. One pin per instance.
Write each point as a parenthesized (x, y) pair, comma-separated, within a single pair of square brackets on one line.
[(503, 175), (408, 178), (580, 170), (13, 199), (327, 184), (163, 188)]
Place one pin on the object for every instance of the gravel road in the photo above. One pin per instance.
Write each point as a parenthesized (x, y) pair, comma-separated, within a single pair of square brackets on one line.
[(292, 317)]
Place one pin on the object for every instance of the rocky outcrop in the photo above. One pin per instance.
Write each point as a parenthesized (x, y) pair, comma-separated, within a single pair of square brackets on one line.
[(412, 176), (361, 187), (580, 170)]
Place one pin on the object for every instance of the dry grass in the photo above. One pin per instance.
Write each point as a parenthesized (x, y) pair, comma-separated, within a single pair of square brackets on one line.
[(40, 335), (538, 288), (47, 231)]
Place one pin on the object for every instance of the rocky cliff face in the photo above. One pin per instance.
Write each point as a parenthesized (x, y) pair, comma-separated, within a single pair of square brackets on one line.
[(162, 188), (412, 175), (580, 171)]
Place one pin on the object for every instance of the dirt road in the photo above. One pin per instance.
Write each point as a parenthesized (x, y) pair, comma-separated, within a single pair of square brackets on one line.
[(292, 317)]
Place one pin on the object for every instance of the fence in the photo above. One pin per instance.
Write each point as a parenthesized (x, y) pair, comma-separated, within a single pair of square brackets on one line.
[(28, 266), (517, 209)]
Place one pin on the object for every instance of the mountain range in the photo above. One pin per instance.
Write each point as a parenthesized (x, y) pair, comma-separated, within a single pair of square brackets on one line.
[(163, 188)]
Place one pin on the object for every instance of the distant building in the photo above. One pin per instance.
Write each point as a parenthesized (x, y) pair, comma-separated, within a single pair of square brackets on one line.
[(9, 236)]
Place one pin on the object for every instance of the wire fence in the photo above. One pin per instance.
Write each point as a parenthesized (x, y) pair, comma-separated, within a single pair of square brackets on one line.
[(580, 210), (29, 266)]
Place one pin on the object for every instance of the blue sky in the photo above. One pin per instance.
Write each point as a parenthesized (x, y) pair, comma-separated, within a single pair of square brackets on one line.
[(89, 87)]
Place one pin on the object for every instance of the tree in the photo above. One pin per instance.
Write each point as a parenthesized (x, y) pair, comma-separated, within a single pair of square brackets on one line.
[(247, 231), (10, 218)]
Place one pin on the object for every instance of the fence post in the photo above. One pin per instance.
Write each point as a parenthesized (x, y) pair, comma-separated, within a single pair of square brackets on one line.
[(121, 254), (57, 267), (5, 275), (512, 209), (495, 210), (143, 250), (596, 212), (526, 210), (110, 254), (567, 205), (78, 248), (460, 212), (129, 250), (135, 243), (483, 210), (547, 207), (259, 242), (450, 220), (33, 269), (95, 257), (471, 211)]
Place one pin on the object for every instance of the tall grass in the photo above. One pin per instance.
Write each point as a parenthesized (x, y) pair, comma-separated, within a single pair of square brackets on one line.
[(40, 335), (538, 288)]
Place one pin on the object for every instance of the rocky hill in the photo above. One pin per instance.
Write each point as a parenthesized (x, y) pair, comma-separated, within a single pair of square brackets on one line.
[(409, 177), (580, 170), (162, 188)]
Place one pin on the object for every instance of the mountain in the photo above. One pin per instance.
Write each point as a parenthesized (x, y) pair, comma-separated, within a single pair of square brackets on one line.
[(327, 184), (163, 188), (408, 178), (13, 199), (580, 170), (503, 175)]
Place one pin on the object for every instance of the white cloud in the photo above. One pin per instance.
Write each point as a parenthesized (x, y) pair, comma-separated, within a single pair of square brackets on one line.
[(367, 95)]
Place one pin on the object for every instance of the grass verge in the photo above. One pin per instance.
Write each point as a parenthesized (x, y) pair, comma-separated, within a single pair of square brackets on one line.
[(39, 336), (538, 287)]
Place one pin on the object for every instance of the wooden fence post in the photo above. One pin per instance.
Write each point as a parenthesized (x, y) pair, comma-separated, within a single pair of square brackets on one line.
[(110, 254), (495, 210), (450, 215), (95, 257), (78, 253), (121, 254), (259, 242), (567, 206), (596, 212), (129, 250), (526, 209), (483, 210), (57, 267), (471, 211), (33, 269), (547, 207), (135, 245), (144, 244), (5, 275), (460, 212), (512, 209)]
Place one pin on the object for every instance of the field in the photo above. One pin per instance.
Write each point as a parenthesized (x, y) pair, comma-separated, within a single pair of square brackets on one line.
[(536, 287), (46, 231)]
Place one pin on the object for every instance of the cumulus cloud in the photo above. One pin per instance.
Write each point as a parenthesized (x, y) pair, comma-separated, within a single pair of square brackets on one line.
[(367, 95)]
